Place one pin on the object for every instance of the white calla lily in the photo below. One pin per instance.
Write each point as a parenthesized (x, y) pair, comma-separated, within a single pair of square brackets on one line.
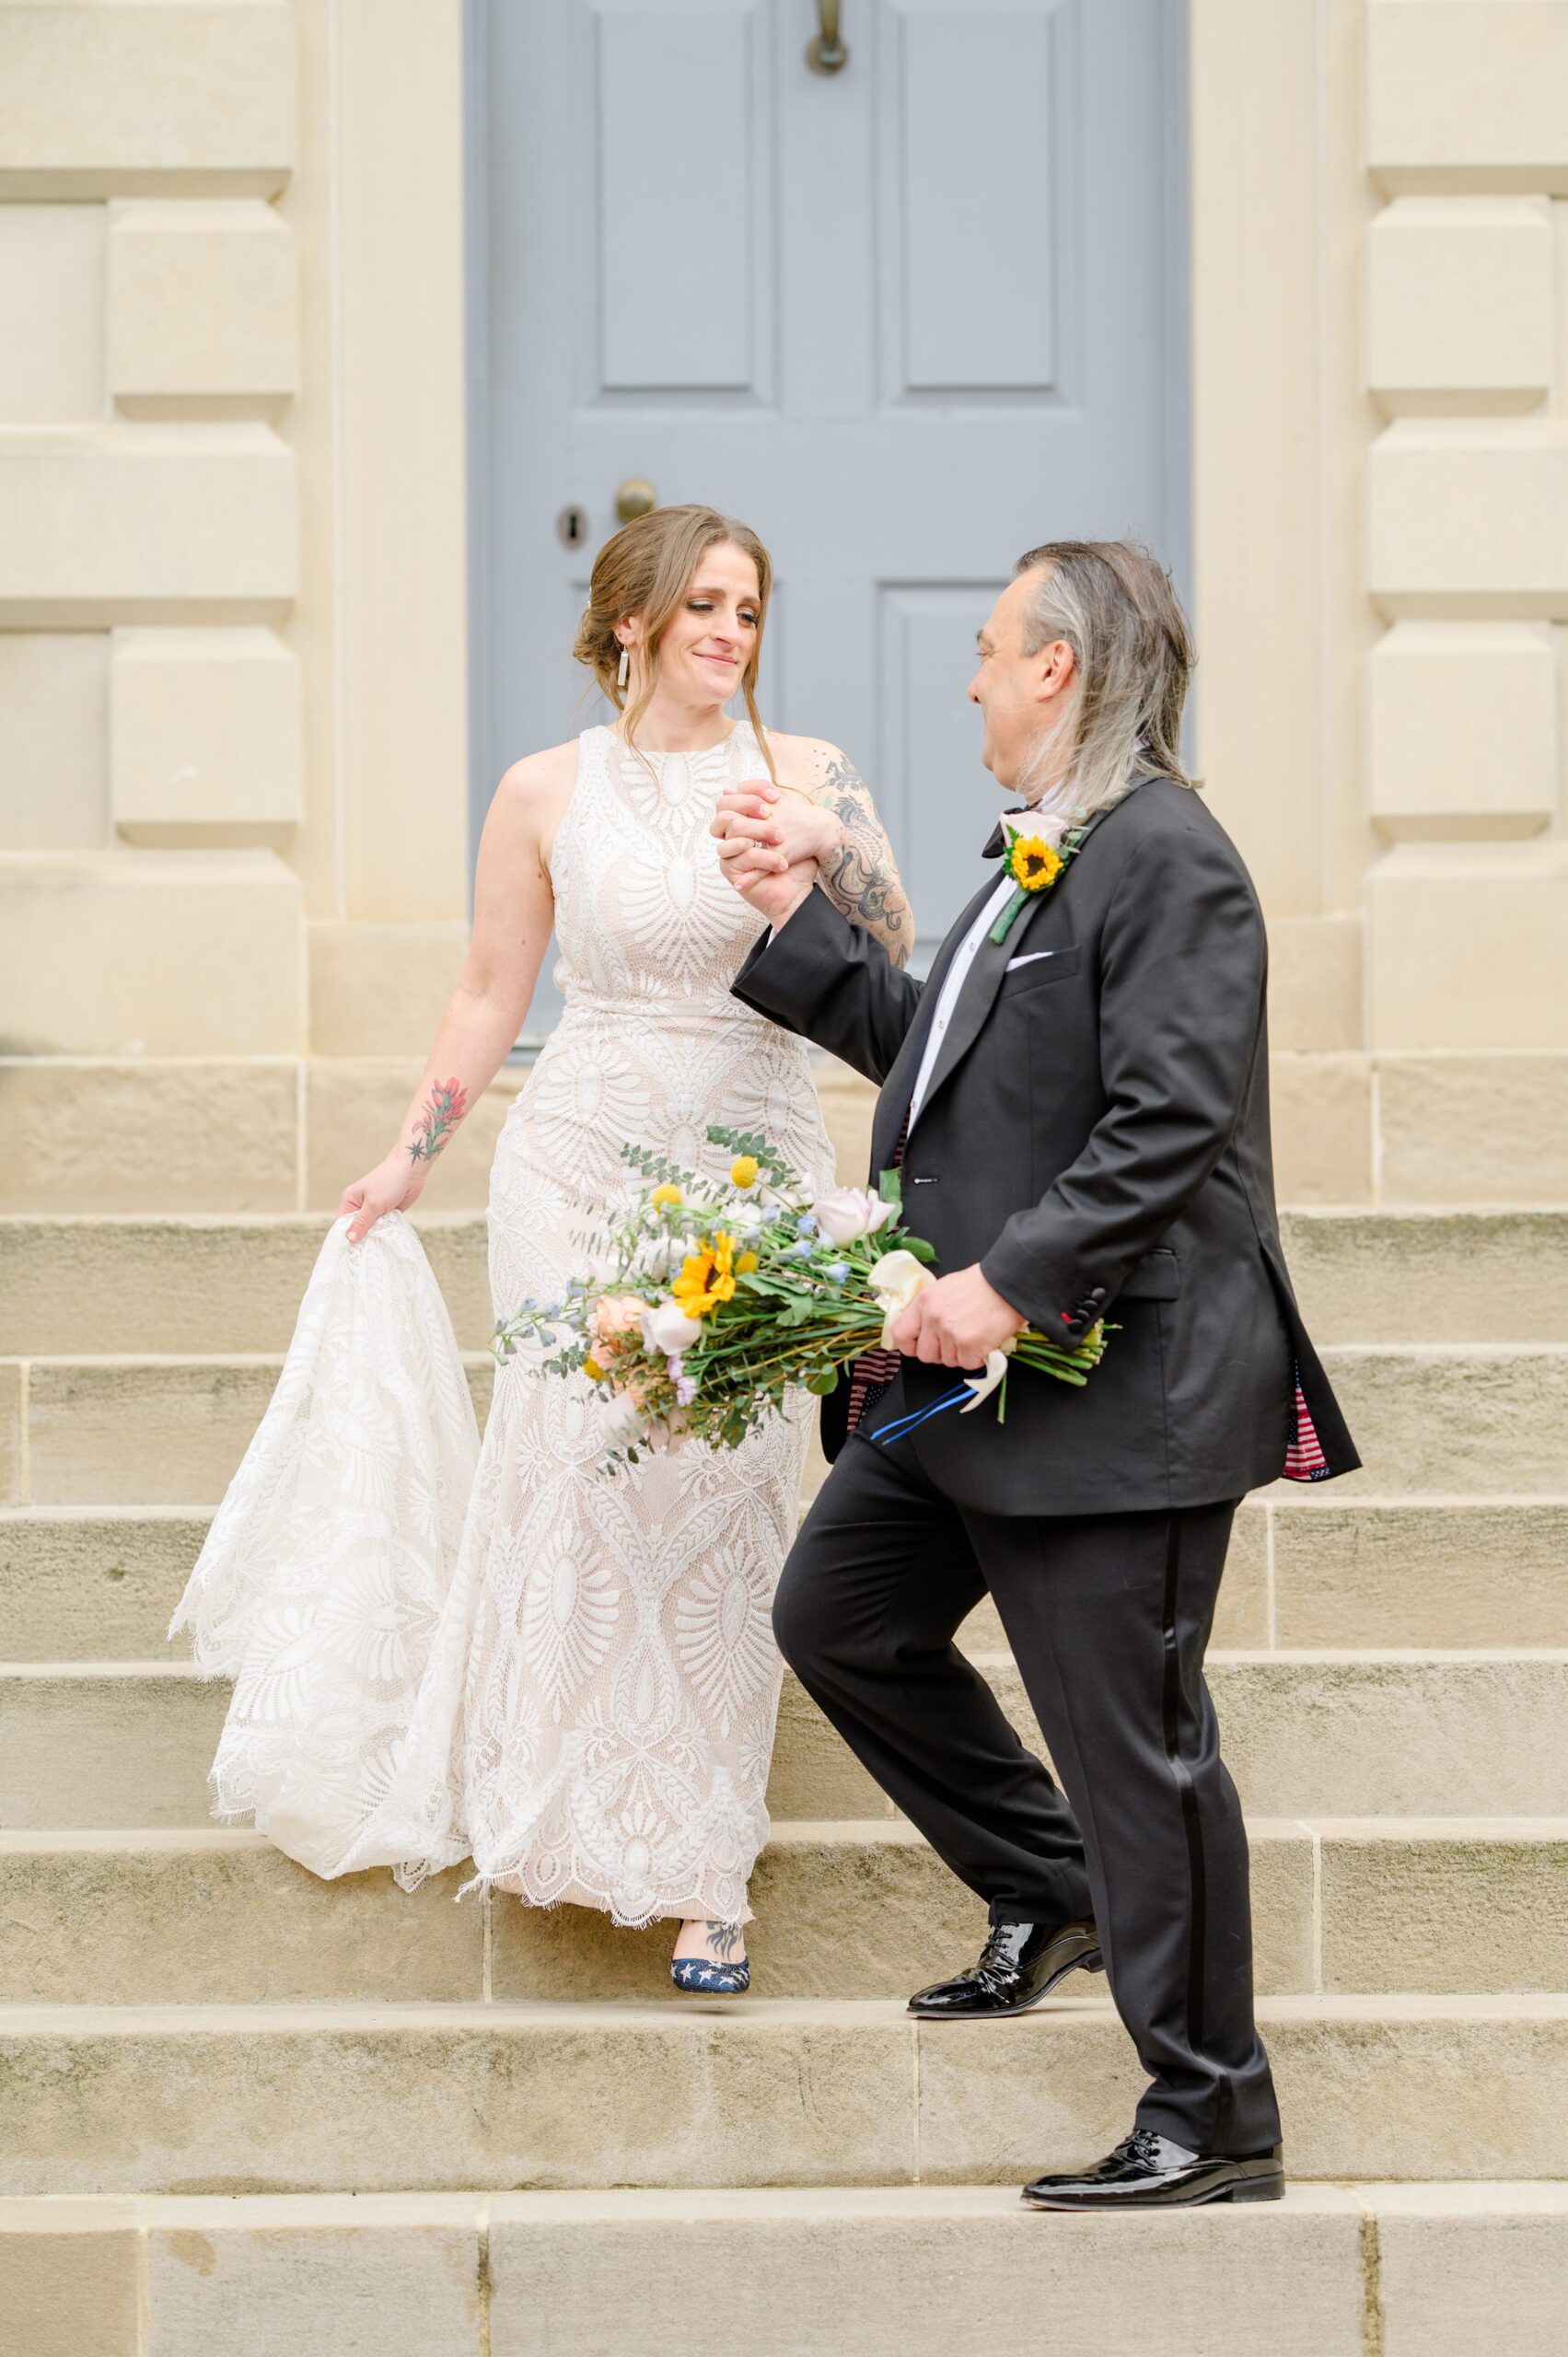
[(982, 1385), (849, 1213), (668, 1329), (896, 1280), (621, 1423)]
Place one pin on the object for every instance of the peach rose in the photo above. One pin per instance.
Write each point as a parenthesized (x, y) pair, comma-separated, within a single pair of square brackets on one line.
[(618, 1315)]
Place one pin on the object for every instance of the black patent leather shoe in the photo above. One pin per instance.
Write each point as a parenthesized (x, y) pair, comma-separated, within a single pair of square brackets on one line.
[(1019, 1964), (1148, 2172)]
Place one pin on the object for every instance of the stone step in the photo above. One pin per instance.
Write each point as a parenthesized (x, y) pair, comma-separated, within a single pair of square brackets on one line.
[(329, 2098), (74, 1285), (221, 1135), (161, 1431), (1332, 1734), (900, 2270), (190, 1284), (1410, 1275), (76, 1583), (100, 1584), (1386, 1733), (856, 1909), (1434, 1570), (147, 1431), (1439, 1417)]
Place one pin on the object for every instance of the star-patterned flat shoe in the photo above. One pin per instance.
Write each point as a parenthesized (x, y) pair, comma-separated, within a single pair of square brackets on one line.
[(700, 1977)]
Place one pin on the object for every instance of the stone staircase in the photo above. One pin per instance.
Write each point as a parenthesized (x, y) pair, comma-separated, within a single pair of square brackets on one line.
[(242, 2111)]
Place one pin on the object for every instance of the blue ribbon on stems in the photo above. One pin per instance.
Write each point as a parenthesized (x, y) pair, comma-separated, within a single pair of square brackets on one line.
[(907, 1423)]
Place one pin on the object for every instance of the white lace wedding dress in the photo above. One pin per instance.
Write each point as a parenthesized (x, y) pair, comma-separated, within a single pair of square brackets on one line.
[(574, 1679)]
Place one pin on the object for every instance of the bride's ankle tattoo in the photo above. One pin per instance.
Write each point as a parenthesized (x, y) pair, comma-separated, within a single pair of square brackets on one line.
[(725, 1939)]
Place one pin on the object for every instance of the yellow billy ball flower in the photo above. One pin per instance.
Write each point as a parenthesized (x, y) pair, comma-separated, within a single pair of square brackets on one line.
[(666, 1194), (743, 1171), (592, 1367), (745, 1263)]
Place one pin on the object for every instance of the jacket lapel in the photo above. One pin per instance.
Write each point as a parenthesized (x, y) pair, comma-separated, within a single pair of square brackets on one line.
[(899, 1086), (984, 980), (975, 1002)]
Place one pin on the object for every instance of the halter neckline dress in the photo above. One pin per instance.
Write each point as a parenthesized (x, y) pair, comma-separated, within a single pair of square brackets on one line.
[(589, 1709)]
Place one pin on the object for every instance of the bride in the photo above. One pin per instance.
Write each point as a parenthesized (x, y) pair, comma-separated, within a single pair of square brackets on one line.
[(586, 1704)]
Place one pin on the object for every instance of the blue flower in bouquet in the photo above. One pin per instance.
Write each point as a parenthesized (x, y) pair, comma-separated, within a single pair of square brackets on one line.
[(838, 1272), (801, 1252), (806, 1224)]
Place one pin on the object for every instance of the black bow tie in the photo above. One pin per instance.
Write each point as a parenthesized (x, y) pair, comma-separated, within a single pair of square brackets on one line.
[(998, 842)]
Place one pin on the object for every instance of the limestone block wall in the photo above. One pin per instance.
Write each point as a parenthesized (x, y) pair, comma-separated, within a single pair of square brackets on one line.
[(150, 712), (1467, 523), (232, 630)]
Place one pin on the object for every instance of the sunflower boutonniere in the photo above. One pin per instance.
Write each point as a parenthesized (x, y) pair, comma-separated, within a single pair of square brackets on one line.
[(1034, 865)]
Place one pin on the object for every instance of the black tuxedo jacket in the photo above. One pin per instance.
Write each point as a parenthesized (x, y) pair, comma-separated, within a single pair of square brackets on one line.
[(1096, 1134)]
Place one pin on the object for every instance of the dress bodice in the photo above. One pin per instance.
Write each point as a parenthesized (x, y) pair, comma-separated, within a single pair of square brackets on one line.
[(645, 919)]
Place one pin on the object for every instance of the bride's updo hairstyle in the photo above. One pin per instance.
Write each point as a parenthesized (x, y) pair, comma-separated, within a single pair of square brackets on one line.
[(647, 571)]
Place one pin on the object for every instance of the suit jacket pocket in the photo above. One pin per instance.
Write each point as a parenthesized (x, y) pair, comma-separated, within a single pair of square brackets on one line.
[(1039, 973), (1157, 1277)]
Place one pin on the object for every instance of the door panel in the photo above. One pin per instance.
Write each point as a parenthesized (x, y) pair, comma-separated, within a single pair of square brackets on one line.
[(681, 233), (906, 319), (925, 646), (968, 101)]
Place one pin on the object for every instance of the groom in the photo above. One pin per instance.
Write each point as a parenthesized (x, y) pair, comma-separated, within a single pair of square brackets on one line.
[(1080, 1114)]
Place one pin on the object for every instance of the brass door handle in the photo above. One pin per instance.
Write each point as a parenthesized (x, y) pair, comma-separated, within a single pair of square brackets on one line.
[(635, 497), (826, 52)]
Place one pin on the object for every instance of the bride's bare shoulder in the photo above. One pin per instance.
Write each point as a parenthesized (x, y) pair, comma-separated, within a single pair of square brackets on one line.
[(534, 792), (540, 779), (811, 764)]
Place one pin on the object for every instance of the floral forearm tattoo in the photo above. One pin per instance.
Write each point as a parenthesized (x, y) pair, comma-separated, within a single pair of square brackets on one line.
[(862, 880), (448, 1104)]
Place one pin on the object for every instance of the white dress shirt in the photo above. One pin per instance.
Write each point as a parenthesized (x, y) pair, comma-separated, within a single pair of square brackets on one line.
[(953, 981), (1048, 816)]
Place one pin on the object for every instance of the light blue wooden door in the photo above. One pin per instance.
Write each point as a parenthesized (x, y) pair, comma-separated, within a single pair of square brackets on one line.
[(907, 319)]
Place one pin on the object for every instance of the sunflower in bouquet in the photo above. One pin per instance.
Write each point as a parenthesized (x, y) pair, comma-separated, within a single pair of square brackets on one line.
[(710, 1301)]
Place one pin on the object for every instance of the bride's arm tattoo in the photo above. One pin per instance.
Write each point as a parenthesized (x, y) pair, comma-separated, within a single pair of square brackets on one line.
[(437, 1117), (862, 881)]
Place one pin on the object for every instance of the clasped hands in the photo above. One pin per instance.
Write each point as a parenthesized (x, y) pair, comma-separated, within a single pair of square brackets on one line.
[(771, 846), (771, 843)]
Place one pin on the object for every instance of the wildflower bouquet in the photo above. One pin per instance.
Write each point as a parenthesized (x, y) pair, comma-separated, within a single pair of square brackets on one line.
[(709, 1302)]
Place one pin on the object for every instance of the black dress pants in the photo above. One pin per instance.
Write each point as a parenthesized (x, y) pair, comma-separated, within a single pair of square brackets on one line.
[(1107, 1617)]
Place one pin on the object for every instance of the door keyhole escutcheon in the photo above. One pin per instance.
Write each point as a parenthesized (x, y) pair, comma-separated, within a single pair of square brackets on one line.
[(572, 526), (827, 52), (635, 497)]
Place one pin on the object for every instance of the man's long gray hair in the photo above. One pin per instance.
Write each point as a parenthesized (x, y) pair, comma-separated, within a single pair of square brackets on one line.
[(1114, 605)]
